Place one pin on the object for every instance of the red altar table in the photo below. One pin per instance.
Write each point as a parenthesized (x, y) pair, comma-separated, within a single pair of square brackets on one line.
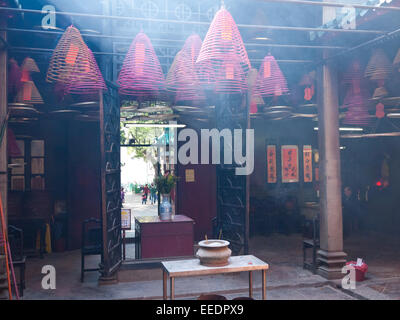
[(160, 239)]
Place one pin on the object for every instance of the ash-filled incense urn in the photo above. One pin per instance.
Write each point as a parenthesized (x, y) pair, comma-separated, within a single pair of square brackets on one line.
[(214, 253)]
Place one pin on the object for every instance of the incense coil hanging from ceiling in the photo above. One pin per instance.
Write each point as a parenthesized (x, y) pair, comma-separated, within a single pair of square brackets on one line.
[(270, 79), (255, 99), (141, 74), (357, 103), (29, 93), (354, 80), (396, 61), (182, 78), (379, 66), (65, 56), (222, 42), (29, 65), (14, 77), (86, 77), (353, 73), (230, 77)]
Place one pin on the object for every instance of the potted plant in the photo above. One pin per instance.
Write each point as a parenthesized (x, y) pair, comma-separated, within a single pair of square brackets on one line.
[(165, 183)]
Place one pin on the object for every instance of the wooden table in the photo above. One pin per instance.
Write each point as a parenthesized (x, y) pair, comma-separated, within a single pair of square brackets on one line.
[(192, 267)]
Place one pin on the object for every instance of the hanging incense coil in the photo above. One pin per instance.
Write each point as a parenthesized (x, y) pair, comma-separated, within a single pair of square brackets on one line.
[(379, 66), (14, 77), (380, 93), (70, 51), (255, 99), (357, 108), (308, 79), (171, 75), (29, 65), (182, 78), (270, 79), (396, 61), (141, 74), (222, 40), (29, 93), (230, 77), (86, 77), (353, 73)]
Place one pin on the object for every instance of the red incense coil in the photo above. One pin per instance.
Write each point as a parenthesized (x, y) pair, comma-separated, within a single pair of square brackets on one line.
[(222, 40), (270, 79), (141, 74), (86, 77), (68, 55)]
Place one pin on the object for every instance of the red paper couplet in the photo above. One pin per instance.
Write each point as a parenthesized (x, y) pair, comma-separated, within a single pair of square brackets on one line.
[(307, 159), (290, 164), (271, 164)]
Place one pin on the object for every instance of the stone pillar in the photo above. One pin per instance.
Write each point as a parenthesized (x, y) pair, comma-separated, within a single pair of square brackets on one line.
[(330, 256), (3, 153)]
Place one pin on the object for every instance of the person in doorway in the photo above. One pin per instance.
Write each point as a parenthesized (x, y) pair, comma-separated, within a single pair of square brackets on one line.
[(146, 191), (144, 198), (153, 193), (122, 194), (351, 211)]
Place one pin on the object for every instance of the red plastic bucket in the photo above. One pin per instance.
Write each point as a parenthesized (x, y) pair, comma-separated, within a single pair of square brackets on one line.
[(360, 270)]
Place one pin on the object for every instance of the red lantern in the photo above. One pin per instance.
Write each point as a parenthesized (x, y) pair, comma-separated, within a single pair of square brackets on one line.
[(380, 111), (309, 93)]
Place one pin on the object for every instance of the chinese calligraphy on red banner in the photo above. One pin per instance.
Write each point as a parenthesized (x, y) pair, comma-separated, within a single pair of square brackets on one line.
[(271, 163), (290, 164), (307, 162)]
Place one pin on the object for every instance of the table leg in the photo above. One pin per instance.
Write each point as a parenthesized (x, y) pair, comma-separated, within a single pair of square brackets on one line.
[(251, 284), (172, 287), (165, 285), (264, 284)]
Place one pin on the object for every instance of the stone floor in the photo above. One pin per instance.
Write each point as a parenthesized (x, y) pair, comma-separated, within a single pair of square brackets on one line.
[(286, 279)]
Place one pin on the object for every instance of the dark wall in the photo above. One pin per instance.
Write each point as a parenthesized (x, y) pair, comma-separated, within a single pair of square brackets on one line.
[(362, 162), (72, 172), (84, 191), (292, 132), (53, 132), (198, 199)]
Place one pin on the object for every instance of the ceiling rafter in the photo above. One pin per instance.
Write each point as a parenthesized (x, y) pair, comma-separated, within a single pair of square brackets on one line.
[(265, 45), (268, 27)]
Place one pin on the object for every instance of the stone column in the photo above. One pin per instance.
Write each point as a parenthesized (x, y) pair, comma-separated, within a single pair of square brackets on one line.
[(3, 153), (330, 256)]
